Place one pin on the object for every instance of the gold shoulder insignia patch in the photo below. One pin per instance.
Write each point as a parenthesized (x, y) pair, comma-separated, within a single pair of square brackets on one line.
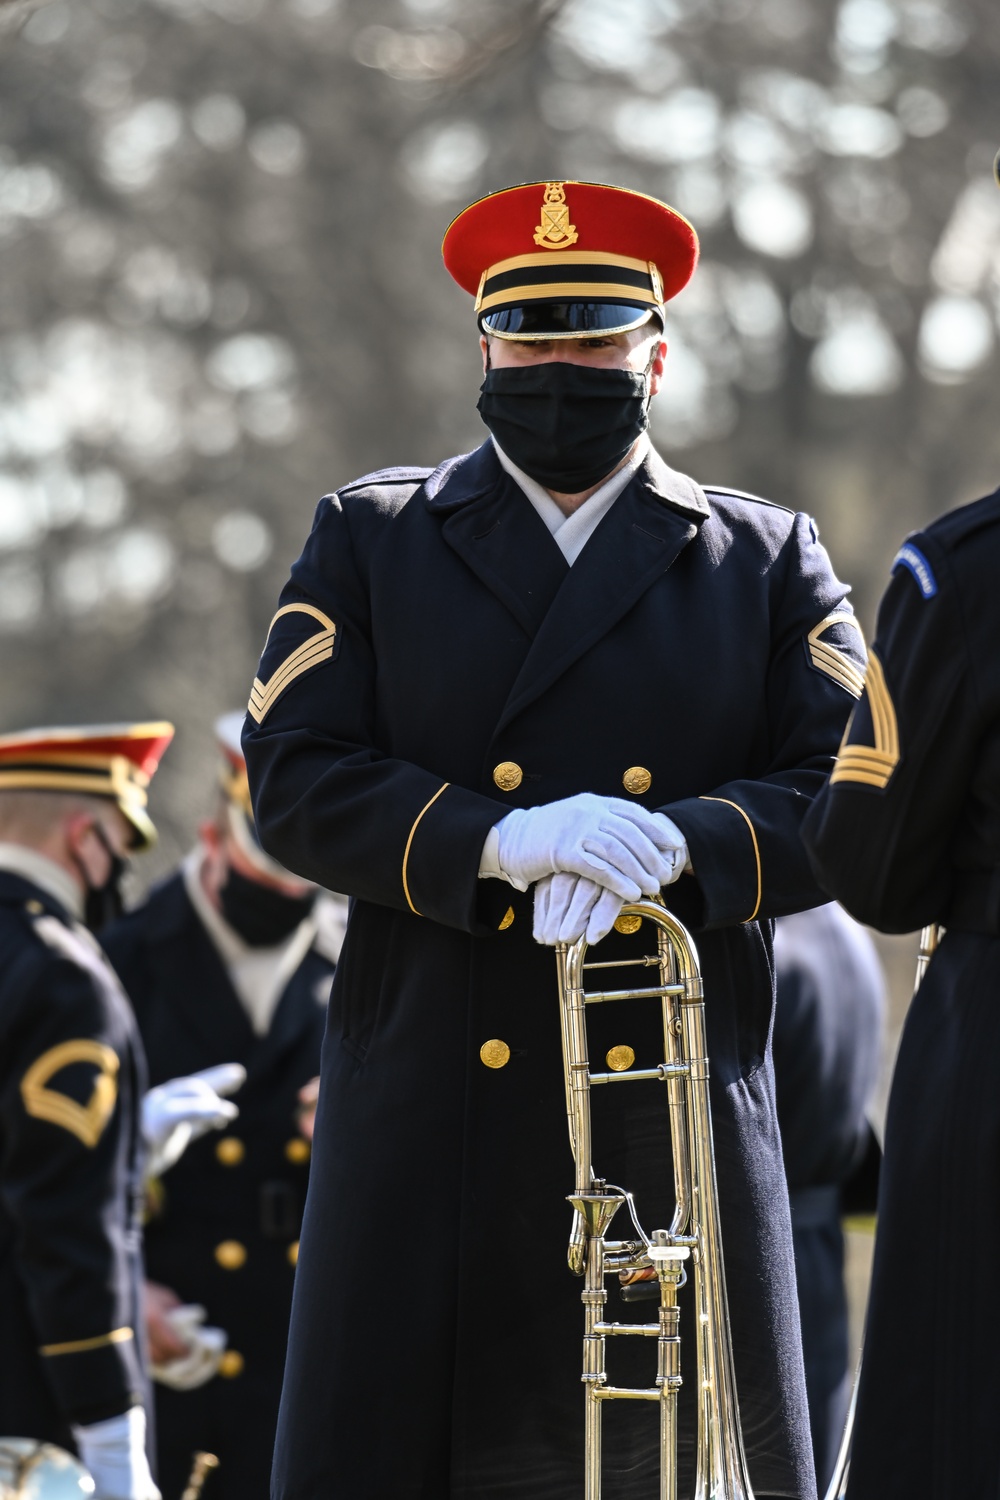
[(831, 659), (872, 764), (309, 653), (86, 1121)]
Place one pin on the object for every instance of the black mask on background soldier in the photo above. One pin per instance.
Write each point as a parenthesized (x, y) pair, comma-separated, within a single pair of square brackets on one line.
[(105, 903), (262, 915), (566, 425)]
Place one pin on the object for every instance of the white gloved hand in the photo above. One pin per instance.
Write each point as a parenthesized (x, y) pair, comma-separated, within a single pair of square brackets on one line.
[(618, 844), (175, 1113), (568, 906), (115, 1453), (205, 1349)]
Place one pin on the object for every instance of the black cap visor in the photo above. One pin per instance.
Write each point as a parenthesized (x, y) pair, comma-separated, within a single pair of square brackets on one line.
[(564, 320)]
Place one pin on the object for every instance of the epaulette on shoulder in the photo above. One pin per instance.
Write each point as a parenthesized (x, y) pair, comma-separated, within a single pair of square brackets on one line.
[(386, 476), (955, 525), (729, 494)]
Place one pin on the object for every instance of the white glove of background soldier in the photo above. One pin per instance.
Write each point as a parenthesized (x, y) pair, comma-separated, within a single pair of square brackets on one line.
[(205, 1348), (175, 1113), (618, 844), (115, 1453)]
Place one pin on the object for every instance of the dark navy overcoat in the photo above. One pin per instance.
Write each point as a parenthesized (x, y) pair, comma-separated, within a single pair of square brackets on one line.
[(431, 632), (72, 1074), (908, 833), (827, 1045), (245, 1186)]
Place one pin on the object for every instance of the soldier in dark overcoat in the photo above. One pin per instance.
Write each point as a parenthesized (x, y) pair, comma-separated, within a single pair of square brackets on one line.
[(827, 1045), (906, 835), (72, 1075), (444, 654), (229, 960)]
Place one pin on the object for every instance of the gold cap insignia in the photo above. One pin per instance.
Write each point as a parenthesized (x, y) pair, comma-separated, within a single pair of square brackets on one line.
[(555, 232)]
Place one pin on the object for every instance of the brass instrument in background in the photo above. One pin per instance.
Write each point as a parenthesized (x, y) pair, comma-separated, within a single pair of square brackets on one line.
[(662, 1256), (34, 1470), (837, 1488)]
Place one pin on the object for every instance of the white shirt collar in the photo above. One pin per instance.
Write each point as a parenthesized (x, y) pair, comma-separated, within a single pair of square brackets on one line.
[(572, 533), (45, 873)]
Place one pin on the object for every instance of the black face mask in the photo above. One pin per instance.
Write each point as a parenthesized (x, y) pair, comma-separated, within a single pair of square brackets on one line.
[(261, 915), (105, 903), (567, 426)]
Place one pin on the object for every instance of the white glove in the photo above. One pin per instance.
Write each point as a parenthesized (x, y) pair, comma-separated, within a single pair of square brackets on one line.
[(115, 1453), (177, 1112), (567, 906), (618, 844), (205, 1349)]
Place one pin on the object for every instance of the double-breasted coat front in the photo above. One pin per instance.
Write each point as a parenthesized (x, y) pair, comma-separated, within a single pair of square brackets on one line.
[(431, 650), (224, 1227)]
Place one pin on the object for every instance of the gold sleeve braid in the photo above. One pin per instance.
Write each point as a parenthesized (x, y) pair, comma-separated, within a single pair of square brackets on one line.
[(756, 850)]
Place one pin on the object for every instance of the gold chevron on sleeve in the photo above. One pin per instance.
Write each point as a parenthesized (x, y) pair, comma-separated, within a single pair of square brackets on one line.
[(872, 765), (317, 648), (85, 1121), (830, 659)]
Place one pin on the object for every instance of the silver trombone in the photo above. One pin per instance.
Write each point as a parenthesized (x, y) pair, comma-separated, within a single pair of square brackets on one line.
[(693, 1235)]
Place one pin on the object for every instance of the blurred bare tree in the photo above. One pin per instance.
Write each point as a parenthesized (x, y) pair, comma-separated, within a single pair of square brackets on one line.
[(222, 296)]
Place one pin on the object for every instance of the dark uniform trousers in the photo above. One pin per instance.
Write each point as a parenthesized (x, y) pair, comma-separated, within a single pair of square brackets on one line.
[(225, 1223), (435, 663), (71, 1077), (827, 1049), (908, 833)]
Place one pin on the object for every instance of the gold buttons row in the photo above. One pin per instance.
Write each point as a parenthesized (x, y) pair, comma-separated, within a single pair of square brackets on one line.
[(496, 1054), (230, 1150), (231, 1364), (231, 1255), (508, 777)]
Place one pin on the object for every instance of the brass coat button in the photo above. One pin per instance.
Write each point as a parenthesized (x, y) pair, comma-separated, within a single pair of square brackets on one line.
[(293, 1253), (231, 1364), (495, 1054), (628, 923), (620, 1058), (637, 780), (508, 775), (231, 1255), (230, 1151), (508, 917), (34, 908), (297, 1150)]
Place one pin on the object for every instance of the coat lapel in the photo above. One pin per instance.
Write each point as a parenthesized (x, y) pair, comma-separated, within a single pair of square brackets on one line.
[(192, 974), (497, 532), (653, 519)]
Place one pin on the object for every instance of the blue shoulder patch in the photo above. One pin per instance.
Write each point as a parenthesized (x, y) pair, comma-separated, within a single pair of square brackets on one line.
[(911, 558)]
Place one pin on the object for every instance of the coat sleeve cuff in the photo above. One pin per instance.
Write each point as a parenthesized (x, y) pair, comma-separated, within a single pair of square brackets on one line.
[(725, 857), (100, 1372), (442, 857)]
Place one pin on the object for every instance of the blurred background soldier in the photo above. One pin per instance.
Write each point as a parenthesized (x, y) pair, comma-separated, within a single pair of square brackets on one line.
[(72, 809), (827, 1044), (231, 958)]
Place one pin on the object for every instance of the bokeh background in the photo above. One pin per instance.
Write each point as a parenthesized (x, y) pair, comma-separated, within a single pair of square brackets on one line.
[(221, 292)]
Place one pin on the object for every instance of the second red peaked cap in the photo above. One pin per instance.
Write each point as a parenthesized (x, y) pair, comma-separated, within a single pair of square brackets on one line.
[(570, 242)]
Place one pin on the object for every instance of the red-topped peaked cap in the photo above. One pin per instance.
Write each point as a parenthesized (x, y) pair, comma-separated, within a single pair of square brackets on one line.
[(97, 760), (571, 257)]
